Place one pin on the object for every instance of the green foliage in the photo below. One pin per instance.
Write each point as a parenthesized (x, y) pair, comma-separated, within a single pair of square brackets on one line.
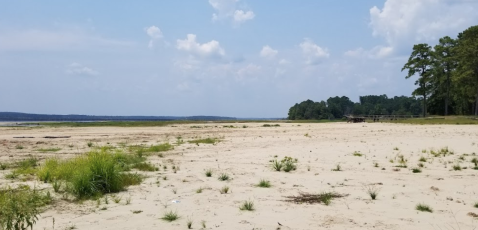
[(264, 183), (96, 173), (170, 216), (423, 208), (208, 140), (277, 165), (457, 167), (145, 166), (357, 154), (224, 190), (269, 125), (19, 147), (373, 192), (223, 177), (21, 207), (416, 170), (337, 168), (247, 206), (209, 173), (49, 150), (422, 159)]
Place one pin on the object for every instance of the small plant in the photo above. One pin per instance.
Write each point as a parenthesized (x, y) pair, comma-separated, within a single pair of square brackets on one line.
[(357, 154), (209, 172), (324, 197), (475, 161), (199, 190), (423, 208), (337, 168), (203, 224), (375, 165), (19, 147), (247, 206), (3, 166), (223, 177), (56, 186), (190, 224), (264, 184), (128, 200), (170, 216), (421, 165), (117, 199), (137, 211), (422, 159), (277, 165), (457, 167), (395, 148), (175, 190), (416, 170), (224, 190), (289, 164), (373, 192), (90, 144)]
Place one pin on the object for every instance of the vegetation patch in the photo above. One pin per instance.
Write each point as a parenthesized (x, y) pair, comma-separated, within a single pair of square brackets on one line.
[(423, 208), (264, 184), (21, 207), (269, 125), (208, 140), (310, 198), (247, 206), (170, 216), (96, 173)]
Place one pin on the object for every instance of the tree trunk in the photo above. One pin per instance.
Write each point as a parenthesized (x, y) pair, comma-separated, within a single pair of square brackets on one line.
[(424, 105)]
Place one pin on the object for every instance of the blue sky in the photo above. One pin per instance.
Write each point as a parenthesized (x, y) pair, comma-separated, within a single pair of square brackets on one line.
[(239, 58)]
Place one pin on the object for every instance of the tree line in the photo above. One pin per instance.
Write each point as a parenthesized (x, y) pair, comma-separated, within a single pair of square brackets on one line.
[(447, 74), (337, 107)]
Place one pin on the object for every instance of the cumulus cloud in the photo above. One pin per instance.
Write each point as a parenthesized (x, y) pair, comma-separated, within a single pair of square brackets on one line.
[(403, 23), (227, 9), (268, 52), (250, 70), (376, 52), (154, 33), (78, 69), (208, 49), (314, 53)]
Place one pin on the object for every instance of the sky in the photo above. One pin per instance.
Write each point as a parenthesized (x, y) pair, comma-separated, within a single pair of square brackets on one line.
[(238, 58)]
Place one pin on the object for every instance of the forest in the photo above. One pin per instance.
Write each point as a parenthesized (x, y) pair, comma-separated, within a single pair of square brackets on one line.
[(446, 77)]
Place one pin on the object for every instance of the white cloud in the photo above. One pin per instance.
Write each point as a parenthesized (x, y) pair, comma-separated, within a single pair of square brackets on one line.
[(314, 53), (250, 70), (208, 49), (268, 52), (403, 23), (227, 9), (154, 33), (78, 69), (376, 52), (241, 16)]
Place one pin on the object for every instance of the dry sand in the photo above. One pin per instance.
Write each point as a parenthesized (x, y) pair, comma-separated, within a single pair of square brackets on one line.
[(244, 153)]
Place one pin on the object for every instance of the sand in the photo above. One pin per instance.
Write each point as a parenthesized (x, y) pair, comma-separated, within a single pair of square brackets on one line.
[(244, 153)]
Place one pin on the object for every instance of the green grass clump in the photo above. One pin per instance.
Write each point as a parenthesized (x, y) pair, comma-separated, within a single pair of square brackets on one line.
[(475, 205), (224, 190), (337, 168), (423, 208), (247, 206), (269, 125), (287, 164), (372, 192), (145, 166), (422, 159), (457, 167), (224, 177), (209, 172), (416, 170), (24, 167), (49, 150), (96, 173), (20, 207), (357, 154), (19, 147), (277, 165), (208, 140), (264, 183), (170, 216), (475, 161)]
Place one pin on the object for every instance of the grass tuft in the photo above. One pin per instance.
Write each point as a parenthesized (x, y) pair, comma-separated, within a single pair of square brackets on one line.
[(264, 184), (224, 177), (373, 192), (416, 170), (423, 208), (170, 216), (208, 140), (247, 206), (457, 167), (209, 172), (224, 190)]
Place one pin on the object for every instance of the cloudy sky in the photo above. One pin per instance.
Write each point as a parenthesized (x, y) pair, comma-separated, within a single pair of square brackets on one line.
[(239, 58)]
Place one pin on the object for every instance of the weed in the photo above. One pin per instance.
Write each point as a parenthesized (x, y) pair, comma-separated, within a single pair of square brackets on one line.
[(457, 167), (416, 170), (203, 224), (475, 205), (137, 211), (208, 140), (224, 190), (49, 150), (277, 165), (19, 147), (422, 159), (190, 224), (90, 144), (117, 199), (21, 207), (264, 184), (170, 216), (395, 148), (337, 167), (375, 165), (423, 208), (175, 190), (199, 190), (247, 206), (209, 172), (223, 177), (357, 154), (56, 186), (421, 165), (289, 164), (3, 166), (373, 192), (475, 161)]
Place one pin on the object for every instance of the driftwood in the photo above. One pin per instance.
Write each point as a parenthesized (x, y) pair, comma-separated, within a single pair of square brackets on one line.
[(23, 137), (53, 137)]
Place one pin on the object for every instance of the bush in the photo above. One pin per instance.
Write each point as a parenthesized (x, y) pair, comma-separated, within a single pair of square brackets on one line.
[(21, 207)]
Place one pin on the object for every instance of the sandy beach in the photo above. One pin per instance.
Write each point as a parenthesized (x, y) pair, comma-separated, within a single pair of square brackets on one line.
[(245, 154)]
